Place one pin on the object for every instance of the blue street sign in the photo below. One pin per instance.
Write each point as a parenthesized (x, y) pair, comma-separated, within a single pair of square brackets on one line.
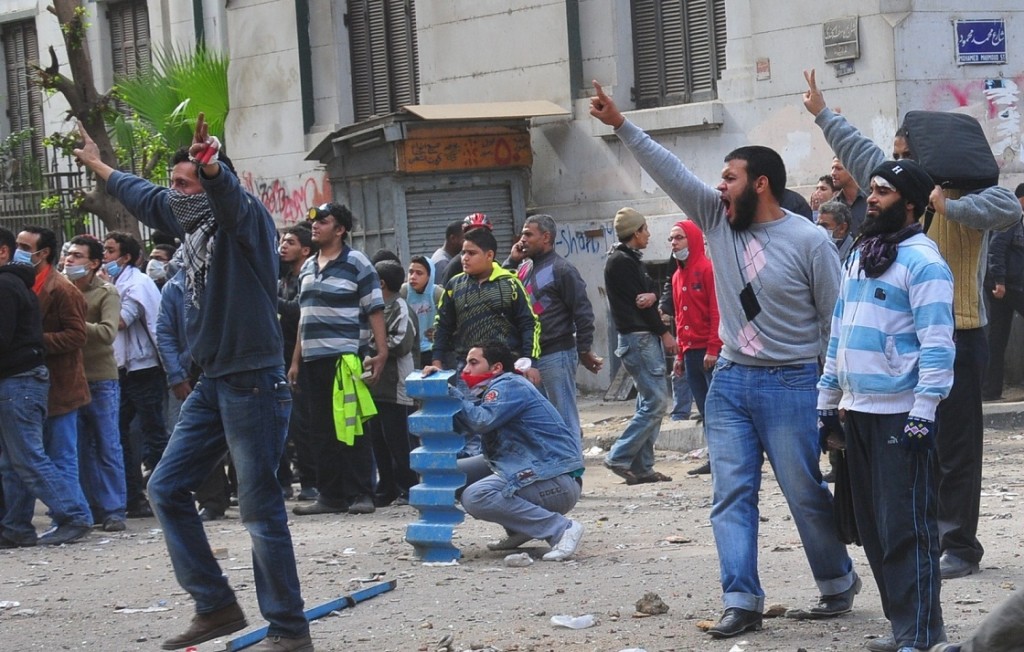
[(980, 41)]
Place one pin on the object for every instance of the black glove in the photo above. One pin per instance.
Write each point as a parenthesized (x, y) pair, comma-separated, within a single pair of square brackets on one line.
[(828, 423), (918, 435)]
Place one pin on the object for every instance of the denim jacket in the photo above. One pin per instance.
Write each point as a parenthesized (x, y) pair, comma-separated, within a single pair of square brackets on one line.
[(524, 437)]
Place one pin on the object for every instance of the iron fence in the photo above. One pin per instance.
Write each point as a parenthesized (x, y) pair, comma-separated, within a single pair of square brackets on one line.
[(31, 196)]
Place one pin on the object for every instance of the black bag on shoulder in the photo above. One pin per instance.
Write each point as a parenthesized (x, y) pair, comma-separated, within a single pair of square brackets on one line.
[(952, 148)]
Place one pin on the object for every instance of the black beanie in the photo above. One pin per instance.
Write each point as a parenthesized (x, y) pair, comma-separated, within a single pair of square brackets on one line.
[(910, 179)]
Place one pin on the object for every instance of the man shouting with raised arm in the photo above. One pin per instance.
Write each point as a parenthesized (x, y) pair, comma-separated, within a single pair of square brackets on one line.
[(777, 277)]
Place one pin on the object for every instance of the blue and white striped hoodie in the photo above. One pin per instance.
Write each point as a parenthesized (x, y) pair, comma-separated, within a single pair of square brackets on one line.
[(891, 345)]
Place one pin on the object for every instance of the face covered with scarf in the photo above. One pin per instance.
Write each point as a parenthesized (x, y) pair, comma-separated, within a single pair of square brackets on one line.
[(478, 370), (195, 215)]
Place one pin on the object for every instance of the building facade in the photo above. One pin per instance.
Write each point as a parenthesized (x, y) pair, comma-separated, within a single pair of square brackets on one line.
[(317, 89)]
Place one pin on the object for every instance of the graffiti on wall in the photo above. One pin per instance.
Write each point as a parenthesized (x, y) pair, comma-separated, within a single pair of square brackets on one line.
[(289, 201), (574, 242), (1003, 95), (996, 105)]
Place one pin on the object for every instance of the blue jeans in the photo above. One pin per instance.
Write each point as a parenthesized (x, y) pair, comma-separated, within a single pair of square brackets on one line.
[(100, 457), (247, 414), (758, 411), (60, 439), (682, 398), (643, 357), (698, 379), (28, 472), (558, 379), (537, 510)]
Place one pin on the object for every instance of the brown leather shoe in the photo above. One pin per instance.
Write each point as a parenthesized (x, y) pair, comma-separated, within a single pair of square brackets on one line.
[(205, 627)]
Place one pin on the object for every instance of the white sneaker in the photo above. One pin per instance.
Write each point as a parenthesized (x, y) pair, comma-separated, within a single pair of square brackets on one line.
[(567, 545)]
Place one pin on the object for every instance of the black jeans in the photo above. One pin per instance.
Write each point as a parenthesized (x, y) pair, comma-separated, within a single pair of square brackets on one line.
[(894, 501), (298, 435), (389, 431), (142, 397), (1000, 321), (343, 473), (960, 445)]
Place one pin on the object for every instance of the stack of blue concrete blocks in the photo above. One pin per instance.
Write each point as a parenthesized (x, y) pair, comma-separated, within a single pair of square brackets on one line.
[(435, 461)]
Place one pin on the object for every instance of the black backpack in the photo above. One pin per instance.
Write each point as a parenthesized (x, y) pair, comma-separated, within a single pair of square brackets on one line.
[(952, 148)]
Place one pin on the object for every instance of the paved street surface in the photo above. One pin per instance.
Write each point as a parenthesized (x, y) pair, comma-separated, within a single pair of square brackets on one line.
[(650, 538)]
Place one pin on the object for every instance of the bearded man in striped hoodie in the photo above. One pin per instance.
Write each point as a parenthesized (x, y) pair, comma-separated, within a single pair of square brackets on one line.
[(889, 363)]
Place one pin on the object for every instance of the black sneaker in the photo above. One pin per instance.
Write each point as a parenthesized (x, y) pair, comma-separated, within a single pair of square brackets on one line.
[(66, 533), (141, 509), (829, 606), (735, 621), (307, 493), (6, 543), (362, 505), (206, 515), (703, 469), (317, 507), (114, 524)]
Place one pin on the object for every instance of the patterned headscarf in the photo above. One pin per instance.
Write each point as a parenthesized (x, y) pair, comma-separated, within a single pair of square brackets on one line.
[(195, 215)]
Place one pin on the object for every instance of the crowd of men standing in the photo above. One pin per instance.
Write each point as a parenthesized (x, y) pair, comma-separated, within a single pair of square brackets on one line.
[(858, 332), (895, 316)]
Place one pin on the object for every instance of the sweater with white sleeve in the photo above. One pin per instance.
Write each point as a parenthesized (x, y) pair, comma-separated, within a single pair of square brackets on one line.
[(891, 349)]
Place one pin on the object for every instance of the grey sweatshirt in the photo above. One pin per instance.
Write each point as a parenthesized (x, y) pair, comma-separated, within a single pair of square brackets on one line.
[(791, 265)]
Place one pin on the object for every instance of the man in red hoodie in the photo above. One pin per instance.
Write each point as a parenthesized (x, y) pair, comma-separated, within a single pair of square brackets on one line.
[(696, 308)]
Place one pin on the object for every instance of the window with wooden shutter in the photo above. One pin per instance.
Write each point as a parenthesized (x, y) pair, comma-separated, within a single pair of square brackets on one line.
[(24, 100), (382, 38), (129, 40), (678, 50)]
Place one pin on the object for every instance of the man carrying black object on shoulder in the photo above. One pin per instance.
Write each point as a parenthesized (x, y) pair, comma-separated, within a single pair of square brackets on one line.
[(232, 327)]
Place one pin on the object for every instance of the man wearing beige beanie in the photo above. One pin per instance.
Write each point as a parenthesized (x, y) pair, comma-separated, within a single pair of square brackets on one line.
[(643, 342)]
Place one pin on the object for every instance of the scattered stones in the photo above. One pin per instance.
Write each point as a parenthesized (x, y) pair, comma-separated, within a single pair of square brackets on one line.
[(775, 611), (650, 605), (446, 644), (518, 560), (675, 538)]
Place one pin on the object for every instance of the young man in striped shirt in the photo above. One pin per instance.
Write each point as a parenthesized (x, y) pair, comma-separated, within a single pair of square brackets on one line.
[(340, 305), (889, 363)]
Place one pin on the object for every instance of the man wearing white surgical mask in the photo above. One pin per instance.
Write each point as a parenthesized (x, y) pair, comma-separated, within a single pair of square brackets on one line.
[(100, 456), (63, 317), (142, 379), (696, 314), (158, 267), (835, 217)]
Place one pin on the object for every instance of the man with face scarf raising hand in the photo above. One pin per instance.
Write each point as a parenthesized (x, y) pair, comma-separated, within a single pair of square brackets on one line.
[(242, 401)]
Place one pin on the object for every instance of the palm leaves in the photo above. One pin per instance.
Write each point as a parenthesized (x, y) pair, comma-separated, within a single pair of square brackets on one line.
[(170, 95)]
